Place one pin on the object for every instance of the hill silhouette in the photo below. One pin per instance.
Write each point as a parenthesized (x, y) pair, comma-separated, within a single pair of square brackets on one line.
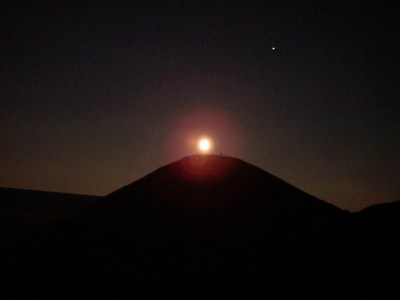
[(206, 185), (211, 223)]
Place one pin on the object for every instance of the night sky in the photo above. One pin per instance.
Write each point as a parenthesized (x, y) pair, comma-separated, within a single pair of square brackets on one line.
[(94, 96)]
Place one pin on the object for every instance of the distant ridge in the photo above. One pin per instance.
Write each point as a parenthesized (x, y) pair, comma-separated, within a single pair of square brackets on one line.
[(23, 202), (385, 214)]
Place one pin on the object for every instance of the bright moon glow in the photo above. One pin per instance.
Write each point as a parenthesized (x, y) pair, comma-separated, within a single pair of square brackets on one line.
[(204, 145)]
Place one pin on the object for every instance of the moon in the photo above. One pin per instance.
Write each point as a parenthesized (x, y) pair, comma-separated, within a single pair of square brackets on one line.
[(204, 145)]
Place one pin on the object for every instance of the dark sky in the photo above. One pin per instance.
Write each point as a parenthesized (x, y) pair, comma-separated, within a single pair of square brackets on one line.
[(96, 95)]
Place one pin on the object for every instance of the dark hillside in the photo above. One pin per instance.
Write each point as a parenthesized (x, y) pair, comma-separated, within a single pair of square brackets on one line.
[(26, 213), (211, 223)]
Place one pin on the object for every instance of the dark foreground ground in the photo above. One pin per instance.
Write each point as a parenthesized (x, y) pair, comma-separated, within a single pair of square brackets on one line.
[(207, 226)]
